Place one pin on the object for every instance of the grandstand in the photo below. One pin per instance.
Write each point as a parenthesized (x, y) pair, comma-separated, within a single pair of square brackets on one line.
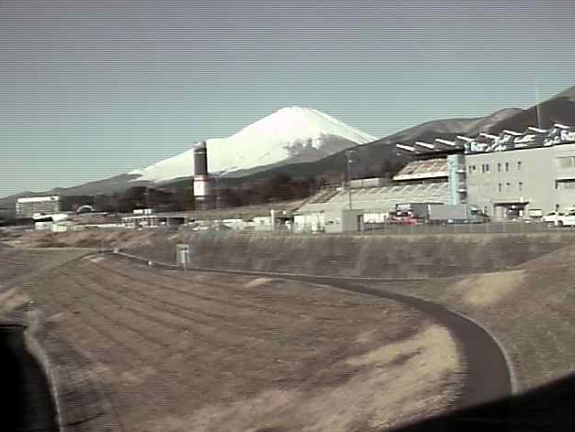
[(419, 182), (382, 198), (437, 176)]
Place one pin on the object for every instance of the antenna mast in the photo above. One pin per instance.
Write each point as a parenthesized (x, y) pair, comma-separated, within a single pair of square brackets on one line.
[(537, 108)]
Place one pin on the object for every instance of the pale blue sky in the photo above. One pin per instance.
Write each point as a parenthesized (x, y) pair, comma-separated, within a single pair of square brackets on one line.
[(94, 88)]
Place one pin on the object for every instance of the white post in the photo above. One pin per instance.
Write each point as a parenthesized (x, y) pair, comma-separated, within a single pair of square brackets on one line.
[(348, 162)]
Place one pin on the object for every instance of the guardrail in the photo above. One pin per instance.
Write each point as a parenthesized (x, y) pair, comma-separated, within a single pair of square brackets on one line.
[(469, 228), (399, 229)]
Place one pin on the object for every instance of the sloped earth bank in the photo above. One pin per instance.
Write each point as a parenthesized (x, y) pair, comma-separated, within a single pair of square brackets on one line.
[(134, 348), (381, 256), (530, 310)]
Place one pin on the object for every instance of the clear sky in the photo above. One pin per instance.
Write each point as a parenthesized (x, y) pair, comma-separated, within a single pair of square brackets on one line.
[(94, 88)]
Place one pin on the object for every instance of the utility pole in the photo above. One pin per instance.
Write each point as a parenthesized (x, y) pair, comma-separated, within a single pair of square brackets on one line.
[(348, 154)]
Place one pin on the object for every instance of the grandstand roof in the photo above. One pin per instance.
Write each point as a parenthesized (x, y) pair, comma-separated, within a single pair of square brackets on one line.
[(423, 169), (425, 145), (485, 142)]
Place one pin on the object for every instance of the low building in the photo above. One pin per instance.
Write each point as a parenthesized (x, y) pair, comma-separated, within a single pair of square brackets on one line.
[(330, 221), (344, 221), (62, 226), (309, 221), (30, 206), (43, 226)]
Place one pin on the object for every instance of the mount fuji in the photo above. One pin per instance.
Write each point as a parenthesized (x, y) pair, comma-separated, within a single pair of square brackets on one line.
[(289, 135)]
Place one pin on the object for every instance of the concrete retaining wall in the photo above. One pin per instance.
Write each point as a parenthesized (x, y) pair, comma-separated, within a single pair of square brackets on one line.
[(361, 256)]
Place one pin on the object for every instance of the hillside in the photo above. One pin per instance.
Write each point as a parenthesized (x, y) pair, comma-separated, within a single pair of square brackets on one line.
[(559, 109), (325, 157)]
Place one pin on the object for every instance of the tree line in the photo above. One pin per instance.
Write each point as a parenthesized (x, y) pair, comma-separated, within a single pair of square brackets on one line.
[(279, 187)]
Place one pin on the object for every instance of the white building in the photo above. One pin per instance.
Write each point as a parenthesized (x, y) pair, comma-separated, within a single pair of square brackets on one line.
[(28, 207), (528, 182)]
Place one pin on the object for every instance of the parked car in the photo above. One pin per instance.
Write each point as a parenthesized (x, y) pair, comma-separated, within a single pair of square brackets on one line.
[(402, 218), (567, 219), (552, 218), (479, 217)]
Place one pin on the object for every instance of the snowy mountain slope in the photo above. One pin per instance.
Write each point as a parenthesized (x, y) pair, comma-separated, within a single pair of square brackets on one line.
[(303, 134)]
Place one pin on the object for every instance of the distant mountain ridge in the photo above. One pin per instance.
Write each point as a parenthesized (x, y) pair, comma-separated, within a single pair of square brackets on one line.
[(558, 109), (461, 126)]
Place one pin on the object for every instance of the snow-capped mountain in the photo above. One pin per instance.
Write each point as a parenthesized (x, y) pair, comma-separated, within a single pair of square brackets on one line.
[(293, 134)]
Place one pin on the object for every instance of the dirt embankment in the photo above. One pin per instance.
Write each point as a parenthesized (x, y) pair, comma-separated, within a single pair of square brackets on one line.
[(144, 349), (529, 309), (17, 263)]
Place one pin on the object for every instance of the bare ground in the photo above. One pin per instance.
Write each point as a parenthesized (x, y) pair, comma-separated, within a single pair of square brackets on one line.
[(152, 350), (528, 309)]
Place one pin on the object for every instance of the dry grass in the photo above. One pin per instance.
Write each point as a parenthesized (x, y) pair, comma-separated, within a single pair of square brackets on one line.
[(206, 352), (488, 289), (528, 309)]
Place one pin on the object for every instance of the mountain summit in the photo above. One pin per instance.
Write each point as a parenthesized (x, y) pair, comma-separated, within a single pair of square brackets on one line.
[(293, 134)]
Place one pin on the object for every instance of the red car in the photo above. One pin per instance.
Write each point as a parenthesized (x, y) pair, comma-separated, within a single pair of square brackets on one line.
[(403, 218)]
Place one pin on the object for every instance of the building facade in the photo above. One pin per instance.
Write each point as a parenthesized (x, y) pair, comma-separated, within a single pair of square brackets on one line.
[(28, 207), (527, 182)]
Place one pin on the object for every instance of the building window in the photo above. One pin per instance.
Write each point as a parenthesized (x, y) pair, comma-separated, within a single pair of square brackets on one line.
[(500, 187), (507, 185), (498, 167), (486, 167), (520, 186), (506, 166), (565, 162), (518, 165)]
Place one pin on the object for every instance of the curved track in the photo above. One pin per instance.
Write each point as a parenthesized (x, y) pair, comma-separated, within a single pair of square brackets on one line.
[(488, 377), (487, 374)]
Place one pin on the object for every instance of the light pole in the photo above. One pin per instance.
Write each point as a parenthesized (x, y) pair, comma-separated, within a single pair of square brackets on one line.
[(218, 185), (348, 154)]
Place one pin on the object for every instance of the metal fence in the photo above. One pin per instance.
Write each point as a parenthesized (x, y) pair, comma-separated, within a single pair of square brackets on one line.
[(399, 229), (469, 228)]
